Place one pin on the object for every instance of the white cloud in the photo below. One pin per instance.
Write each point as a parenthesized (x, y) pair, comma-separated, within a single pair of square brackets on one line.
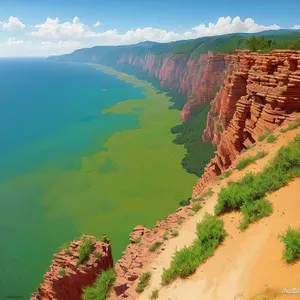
[(13, 41), (53, 29), (296, 27), (97, 24), (13, 24)]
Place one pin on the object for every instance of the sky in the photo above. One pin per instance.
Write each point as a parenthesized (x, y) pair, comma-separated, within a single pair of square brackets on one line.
[(49, 27)]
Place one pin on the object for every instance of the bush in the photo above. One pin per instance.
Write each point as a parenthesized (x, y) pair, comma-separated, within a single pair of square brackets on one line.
[(97, 254), (243, 163), (101, 288), (155, 246), (210, 233), (196, 207), (185, 202), (62, 272), (85, 250), (144, 281), (174, 233), (138, 240), (165, 236), (291, 126), (210, 192), (262, 137), (242, 194), (180, 222), (154, 294), (271, 138), (225, 174), (291, 240)]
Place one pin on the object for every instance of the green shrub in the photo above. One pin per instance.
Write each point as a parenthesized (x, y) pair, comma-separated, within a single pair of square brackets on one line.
[(242, 194), (174, 233), (210, 233), (243, 163), (180, 222), (101, 288), (97, 254), (138, 240), (291, 240), (85, 250), (144, 281), (185, 202), (210, 192), (262, 137), (62, 272), (225, 174), (291, 126), (219, 128), (196, 207), (271, 138), (254, 211), (154, 294), (155, 246), (165, 236)]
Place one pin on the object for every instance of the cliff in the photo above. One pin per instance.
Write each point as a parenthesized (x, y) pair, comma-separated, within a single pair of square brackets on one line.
[(260, 93), (66, 279)]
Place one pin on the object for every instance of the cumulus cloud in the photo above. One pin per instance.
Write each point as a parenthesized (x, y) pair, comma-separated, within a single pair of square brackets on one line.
[(97, 24), (13, 24), (296, 27), (52, 28)]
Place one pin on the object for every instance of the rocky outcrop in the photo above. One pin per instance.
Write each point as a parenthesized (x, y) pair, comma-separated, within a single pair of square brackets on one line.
[(199, 79), (66, 280), (260, 93), (138, 256)]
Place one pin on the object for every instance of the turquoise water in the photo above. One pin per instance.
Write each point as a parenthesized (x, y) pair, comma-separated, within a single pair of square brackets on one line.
[(50, 117)]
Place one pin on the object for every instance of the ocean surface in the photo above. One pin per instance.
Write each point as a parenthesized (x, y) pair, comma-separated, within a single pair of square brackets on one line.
[(50, 117), (81, 152)]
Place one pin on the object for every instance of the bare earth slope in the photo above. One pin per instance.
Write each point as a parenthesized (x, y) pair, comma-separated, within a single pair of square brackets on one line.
[(248, 265)]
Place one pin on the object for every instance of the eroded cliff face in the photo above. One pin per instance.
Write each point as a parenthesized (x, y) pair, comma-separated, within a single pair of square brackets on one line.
[(69, 284), (260, 93), (199, 79)]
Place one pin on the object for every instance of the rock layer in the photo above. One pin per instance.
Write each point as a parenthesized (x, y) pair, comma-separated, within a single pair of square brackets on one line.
[(70, 283), (260, 93)]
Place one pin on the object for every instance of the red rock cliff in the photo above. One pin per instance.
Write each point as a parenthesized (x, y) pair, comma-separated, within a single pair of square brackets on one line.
[(69, 285), (260, 92), (199, 79)]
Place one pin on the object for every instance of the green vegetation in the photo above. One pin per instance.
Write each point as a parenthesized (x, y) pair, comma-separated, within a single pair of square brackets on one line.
[(247, 195), (225, 174), (97, 254), (291, 240), (138, 240), (154, 294), (85, 250), (180, 222), (271, 138), (101, 288), (155, 246), (185, 202), (210, 233), (196, 207), (210, 192), (65, 247), (243, 163), (219, 127), (174, 233), (291, 126), (62, 272), (199, 153), (144, 281), (262, 137), (166, 234)]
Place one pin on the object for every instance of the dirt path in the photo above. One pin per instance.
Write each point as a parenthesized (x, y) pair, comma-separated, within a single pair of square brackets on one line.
[(248, 264)]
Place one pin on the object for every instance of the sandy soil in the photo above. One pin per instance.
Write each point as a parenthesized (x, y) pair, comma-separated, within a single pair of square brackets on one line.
[(248, 264)]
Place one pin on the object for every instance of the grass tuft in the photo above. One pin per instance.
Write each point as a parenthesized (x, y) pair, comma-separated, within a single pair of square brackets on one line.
[(65, 247), (225, 174), (291, 240), (174, 233), (85, 250), (101, 288), (196, 207), (243, 163), (210, 233), (271, 138), (138, 240), (62, 272), (155, 246), (291, 126), (144, 281), (154, 294), (262, 137), (97, 254), (243, 194)]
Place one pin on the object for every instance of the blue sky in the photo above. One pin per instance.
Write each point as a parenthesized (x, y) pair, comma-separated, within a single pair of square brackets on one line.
[(45, 27)]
